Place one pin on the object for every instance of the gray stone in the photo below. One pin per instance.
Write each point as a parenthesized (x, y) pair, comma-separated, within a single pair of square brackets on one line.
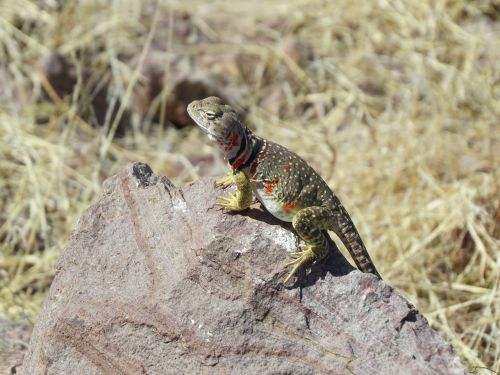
[(156, 280), (14, 339)]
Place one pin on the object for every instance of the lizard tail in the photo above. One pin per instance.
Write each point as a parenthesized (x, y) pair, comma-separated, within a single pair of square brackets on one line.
[(350, 237)]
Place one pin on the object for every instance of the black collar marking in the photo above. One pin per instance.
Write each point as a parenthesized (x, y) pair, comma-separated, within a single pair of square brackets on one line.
[(257, 146), (243, 146)]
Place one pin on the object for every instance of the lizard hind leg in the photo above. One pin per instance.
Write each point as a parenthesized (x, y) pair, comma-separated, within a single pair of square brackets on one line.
[(310, 224)]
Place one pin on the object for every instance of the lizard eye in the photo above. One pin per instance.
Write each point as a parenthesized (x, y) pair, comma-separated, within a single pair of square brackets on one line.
[(210, 115)]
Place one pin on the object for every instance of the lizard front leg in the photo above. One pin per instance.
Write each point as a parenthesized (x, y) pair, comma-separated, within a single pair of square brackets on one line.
[(310, 224), (243, 198), (225, 181)]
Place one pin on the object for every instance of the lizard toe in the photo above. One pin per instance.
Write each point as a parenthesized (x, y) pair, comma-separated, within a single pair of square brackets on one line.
[(224, 181)]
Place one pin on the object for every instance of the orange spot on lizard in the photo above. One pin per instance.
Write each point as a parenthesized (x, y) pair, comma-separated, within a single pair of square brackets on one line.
[(270, 186), (234, 141)]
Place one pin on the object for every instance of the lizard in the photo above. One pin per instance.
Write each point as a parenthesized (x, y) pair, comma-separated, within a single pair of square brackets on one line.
[(286, 185)]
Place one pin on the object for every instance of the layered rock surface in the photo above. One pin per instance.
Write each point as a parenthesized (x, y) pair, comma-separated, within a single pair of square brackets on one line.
[(156, 280)]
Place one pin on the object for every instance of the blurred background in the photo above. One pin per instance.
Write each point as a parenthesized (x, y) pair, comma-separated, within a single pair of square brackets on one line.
[(395, 103)]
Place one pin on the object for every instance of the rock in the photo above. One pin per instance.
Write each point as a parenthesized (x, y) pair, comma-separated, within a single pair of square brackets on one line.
[(10, 362), (60, 72), (156, 280), (184, 82), (93, 102), (14, 339)]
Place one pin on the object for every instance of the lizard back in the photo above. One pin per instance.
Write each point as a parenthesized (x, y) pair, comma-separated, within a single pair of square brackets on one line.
[(284, 183)]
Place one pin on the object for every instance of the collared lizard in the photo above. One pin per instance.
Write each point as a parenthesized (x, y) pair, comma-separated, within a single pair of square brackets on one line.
[(282, 181)]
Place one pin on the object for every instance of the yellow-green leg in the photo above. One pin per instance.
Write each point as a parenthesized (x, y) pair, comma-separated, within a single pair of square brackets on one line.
[(225, 181), (243, 198), (309, 224)]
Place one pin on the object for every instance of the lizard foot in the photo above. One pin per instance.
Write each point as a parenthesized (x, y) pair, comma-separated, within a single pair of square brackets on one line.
[(301, 258), (229, 202), (225, 181)]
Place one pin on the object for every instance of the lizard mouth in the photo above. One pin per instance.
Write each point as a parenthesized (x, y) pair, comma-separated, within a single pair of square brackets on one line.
[(199, 121), (207, 131)]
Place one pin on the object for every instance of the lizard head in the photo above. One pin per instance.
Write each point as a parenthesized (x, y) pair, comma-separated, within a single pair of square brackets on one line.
[(217, 119)]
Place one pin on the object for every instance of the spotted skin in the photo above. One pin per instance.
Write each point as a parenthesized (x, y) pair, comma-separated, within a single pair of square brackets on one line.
[(283, 182)]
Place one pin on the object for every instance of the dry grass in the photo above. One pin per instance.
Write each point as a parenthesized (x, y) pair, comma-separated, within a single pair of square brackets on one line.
[(398, 107)]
